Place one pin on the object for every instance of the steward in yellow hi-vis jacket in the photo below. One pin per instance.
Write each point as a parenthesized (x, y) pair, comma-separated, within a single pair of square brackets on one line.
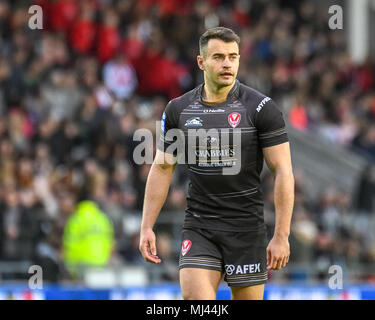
[(88, 238)]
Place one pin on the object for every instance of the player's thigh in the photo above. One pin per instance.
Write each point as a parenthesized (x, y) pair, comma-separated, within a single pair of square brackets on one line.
[(199, 284), (248, 293), (200, 264)]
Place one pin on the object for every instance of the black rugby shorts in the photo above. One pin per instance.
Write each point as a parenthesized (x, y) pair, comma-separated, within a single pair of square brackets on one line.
[(241, 256)]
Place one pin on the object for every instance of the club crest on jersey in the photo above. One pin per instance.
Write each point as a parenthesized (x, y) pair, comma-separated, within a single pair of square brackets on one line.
[(186, 245), (234, 119), (194, 122)]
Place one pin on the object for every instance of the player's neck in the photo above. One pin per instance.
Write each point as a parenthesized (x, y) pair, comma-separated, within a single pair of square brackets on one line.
[(213, 94)]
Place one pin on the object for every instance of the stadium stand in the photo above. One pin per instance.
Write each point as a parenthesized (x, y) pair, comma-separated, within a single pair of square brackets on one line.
[(73, 94)]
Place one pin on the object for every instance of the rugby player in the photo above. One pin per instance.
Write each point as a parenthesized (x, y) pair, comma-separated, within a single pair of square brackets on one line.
[(224, 233)]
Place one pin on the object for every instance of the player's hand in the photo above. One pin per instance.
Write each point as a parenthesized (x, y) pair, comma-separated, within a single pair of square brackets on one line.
[(278, 252), (147, 246)]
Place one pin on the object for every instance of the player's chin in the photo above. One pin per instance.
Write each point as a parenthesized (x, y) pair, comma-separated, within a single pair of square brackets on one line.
[(226, 80)]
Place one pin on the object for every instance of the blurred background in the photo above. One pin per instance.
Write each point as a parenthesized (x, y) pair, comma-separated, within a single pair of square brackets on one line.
[(73, 93)]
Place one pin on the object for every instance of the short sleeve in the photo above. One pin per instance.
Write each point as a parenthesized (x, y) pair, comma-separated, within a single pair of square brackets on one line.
[(270, 124), (168, 122)]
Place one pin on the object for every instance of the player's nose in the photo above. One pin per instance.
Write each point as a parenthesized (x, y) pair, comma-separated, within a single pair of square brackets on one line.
[(226, 63)]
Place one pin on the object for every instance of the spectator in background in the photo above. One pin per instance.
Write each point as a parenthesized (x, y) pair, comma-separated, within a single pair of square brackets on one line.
[(298, 118), (119, 77), (365, 201), (88, 239), (83, 31), (39, 227), (108, 36), (63, 13), (365, 142), (18, 229), (62, 94)]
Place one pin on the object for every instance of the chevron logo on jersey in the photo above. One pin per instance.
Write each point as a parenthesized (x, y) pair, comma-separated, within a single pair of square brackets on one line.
[(234, 119), (194, 122)]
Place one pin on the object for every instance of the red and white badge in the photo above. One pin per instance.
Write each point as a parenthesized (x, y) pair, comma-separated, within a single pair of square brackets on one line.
[(186, 245), (234, 119)]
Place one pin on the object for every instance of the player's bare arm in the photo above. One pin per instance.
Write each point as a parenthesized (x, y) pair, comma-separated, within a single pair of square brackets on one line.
[(157, 186), (278, 160)]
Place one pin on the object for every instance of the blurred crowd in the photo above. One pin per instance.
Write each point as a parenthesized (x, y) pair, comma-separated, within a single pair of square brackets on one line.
[(73, 94)]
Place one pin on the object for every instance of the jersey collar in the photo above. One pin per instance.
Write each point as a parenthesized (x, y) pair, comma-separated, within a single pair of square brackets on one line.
[(233, 93)]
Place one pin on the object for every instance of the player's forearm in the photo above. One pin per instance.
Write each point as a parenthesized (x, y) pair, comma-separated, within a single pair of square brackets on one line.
[(156, 192), (284, 201)]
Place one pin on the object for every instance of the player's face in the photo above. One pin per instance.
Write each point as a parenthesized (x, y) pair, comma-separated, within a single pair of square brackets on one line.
[(220, 62)]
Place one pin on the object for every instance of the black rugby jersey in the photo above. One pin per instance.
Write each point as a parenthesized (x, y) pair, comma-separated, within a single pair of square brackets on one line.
[(224, 190)]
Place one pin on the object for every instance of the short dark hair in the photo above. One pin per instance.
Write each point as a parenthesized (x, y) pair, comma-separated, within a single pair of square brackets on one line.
[(221, 33)]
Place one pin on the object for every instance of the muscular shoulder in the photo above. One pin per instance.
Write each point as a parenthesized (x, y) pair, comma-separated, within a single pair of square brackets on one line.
[(259, 106), (176, 105), (265, 115), (179, 103), (252, 98)]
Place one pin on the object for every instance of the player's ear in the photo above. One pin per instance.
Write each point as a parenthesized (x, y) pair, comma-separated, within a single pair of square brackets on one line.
[(200, 62)]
